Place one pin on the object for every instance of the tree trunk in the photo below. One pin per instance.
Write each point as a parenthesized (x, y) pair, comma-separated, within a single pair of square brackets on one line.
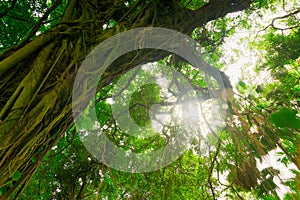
[(37, 77)]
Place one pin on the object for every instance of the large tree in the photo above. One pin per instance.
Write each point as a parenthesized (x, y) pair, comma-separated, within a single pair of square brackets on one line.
[(38, 72)]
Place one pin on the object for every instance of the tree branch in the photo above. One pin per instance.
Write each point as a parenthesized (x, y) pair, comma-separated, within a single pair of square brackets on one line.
[(216, 9), (272, 24)]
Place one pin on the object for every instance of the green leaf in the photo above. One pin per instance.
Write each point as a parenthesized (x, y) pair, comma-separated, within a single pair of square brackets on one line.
[(103, 112), (3, 191), (112, 23), (242, 84), (285, 118), (34, 159), (10, 184), (16, 176)]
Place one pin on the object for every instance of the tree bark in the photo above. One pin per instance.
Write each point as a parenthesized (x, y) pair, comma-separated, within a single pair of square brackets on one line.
[(37, 77)]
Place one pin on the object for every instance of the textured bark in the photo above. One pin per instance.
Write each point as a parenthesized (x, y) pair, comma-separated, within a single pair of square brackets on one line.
[(37, 77)]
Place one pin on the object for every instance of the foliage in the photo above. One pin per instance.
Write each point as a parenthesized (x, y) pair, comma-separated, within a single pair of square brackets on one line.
[(141, 102), (19, 21), (281, 49)]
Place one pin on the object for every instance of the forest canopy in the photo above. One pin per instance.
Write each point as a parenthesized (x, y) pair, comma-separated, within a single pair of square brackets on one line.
[(228, 135)]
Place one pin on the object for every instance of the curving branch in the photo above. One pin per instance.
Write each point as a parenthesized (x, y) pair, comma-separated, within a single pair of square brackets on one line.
[(216, 9), (273, 22)]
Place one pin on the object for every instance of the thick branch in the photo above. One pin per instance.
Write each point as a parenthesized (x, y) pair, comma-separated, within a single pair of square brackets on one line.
[(23, 53), (216, 9)]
